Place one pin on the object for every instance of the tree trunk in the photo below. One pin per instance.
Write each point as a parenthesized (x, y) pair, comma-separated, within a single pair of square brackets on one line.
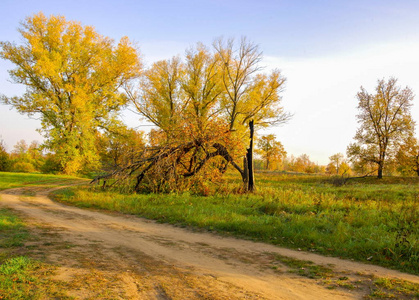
[(245, 174), (249, 156), (380, 170)]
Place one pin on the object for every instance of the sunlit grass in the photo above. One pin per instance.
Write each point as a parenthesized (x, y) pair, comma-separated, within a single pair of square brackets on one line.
[(13, 180), (12, 230), (20, 276), (367, 219)]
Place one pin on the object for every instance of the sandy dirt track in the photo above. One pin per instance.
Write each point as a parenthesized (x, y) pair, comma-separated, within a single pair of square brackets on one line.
[(114, 256)]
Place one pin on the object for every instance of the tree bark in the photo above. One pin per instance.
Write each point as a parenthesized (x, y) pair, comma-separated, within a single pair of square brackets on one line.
[(245, 176), (249, 156), (380, 171)]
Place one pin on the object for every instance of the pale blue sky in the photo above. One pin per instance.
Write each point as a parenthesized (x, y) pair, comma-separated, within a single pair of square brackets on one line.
[(326, 49)]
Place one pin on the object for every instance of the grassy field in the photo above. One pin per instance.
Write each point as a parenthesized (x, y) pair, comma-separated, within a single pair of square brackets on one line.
[(10, 180), (367, 219)]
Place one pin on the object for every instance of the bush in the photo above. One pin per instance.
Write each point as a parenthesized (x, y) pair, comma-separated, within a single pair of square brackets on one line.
[(51, 165), (24, 167), (5, 162)]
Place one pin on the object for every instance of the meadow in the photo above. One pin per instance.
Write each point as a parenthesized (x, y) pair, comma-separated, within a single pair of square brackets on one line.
[(9, 180), (365, 219)]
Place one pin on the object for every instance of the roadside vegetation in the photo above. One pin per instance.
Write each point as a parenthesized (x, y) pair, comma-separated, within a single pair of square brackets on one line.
[(366, 219), (22, 277)]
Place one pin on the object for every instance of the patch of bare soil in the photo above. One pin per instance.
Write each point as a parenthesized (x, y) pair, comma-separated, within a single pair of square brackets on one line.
[(113, 256)]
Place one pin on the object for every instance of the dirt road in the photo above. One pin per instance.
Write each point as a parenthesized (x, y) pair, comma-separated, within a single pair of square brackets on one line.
[(113, 256)]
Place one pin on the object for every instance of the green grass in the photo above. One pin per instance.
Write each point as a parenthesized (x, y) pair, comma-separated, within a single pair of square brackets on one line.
[(24, 278), (386, 288), (305, 268), (10, 180), (369, 220), (20, 276), (12, 230)]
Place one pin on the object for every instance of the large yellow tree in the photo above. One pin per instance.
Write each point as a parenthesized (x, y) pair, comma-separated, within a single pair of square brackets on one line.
[(73, 78)]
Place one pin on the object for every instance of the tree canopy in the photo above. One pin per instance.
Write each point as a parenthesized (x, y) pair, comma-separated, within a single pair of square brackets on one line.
[(73, 78)]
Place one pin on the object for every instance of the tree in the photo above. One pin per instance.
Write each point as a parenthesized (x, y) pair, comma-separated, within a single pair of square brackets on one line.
[(336, 160), (27, 158), (202, 106), (303, 163), (250, 97), (5, 161), (73, 78), (121, 147), (272, 151), (408, 156), (385, 121)]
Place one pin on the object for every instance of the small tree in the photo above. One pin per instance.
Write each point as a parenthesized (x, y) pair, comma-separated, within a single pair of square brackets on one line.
[(5, 161), (345, 169), (338, 165), (408, 157), (385, 121), (27, 158), (121, 147), (271, 151)]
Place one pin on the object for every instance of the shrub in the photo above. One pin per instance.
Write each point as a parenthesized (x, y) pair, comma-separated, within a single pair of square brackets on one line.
[(24, 167), (51, 165)]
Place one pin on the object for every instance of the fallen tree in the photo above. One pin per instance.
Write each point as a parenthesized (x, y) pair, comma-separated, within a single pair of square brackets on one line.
[(205, 108)]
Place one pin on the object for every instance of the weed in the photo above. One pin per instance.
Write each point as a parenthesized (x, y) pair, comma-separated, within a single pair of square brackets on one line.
[(395, 287), (304, 268)]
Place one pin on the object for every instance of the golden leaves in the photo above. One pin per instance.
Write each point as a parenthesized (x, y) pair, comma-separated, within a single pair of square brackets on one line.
[(73, 77)]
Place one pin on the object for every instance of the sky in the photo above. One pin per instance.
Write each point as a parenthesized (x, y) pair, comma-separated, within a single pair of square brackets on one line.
[(326, 49)]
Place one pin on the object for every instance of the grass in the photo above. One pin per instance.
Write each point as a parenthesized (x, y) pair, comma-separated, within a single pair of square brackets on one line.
[(378, 287), (12, 230), (24, 278), (369, 220), (10, 180), (393, 289), (305, 268), (20, 276)]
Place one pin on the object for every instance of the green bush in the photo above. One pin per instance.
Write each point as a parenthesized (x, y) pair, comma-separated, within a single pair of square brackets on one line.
[(24, 167), (5, 162), (51, 165)]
